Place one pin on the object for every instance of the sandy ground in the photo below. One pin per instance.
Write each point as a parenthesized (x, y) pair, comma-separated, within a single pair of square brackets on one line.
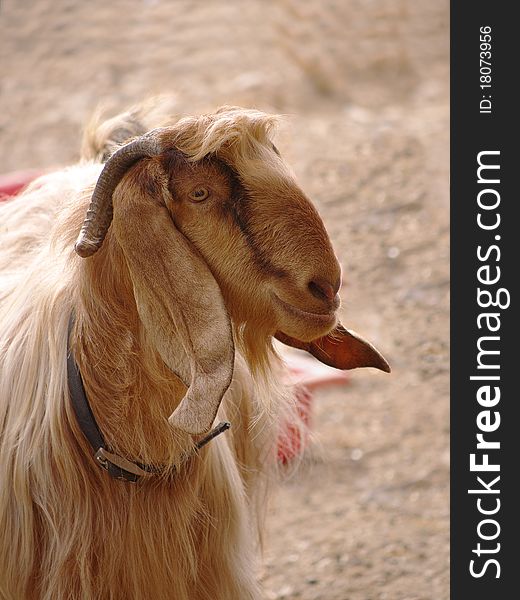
[(365, 88)]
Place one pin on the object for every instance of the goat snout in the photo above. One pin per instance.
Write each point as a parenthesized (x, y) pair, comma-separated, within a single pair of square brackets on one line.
[(325, 290)]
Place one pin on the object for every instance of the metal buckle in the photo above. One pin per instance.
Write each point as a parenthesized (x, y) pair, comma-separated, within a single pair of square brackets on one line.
[(103, 457), (102, 462), (106, 459)]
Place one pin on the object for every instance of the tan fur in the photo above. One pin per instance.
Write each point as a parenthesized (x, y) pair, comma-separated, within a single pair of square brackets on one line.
[(68, 530)]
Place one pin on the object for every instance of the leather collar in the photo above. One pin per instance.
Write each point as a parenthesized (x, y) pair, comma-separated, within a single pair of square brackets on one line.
[(117, 466)]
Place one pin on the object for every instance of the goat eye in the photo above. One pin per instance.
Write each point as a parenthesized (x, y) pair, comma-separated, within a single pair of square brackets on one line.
[(199, 194)]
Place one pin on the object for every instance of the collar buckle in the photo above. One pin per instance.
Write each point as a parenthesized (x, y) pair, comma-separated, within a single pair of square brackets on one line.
[(108, 459)]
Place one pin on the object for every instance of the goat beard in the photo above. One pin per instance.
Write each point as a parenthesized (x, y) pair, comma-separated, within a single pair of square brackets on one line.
[(341, 349)]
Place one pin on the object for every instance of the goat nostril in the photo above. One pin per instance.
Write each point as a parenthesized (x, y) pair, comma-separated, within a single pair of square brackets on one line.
[(322, 289)]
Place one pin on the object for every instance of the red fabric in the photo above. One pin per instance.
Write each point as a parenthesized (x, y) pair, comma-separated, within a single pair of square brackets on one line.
[(12, 183), (294, 439)]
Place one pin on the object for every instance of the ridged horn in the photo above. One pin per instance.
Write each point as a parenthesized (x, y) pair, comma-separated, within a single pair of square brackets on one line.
[(99, 214)]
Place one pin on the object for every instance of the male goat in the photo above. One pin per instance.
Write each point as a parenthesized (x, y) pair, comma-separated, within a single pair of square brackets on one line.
[(197, 248)]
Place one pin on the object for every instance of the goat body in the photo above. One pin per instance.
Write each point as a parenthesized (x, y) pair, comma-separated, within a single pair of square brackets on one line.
[(163, 306), (68, 531)]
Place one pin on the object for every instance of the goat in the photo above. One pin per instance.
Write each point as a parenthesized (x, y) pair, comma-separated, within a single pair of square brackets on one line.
[(198, 247)]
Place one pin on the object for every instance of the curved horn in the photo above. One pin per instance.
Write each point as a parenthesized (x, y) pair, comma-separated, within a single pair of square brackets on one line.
[(99, 214)]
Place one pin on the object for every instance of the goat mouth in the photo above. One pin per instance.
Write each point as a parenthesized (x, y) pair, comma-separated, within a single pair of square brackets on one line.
[(320, 319)]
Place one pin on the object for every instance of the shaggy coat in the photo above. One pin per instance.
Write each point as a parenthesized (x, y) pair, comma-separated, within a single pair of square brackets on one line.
[(212, 249)]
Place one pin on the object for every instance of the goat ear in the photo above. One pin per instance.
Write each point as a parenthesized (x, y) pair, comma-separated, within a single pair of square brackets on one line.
[(341, 348), (178, 300)]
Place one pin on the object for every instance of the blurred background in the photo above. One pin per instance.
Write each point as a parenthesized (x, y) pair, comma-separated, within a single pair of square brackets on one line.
[(364, 85)]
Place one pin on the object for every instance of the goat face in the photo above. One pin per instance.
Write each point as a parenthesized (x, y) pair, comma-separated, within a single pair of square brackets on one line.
[(263, 241)]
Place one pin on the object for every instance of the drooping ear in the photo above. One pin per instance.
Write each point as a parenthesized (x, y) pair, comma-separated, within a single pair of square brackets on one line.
[(341, 348), (177, 297)]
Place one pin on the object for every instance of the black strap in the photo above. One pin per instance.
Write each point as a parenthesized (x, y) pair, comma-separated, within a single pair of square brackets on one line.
[(88, 425), (87, 421), (78, 397)]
